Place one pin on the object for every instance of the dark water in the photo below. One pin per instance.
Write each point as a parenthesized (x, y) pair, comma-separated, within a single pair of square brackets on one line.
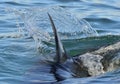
[(18, 53)]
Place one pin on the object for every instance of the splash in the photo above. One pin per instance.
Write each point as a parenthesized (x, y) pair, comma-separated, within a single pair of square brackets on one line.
[(37, 25)]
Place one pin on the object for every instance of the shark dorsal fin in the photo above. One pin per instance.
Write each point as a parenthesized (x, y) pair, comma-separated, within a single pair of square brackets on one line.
[(61, 55)]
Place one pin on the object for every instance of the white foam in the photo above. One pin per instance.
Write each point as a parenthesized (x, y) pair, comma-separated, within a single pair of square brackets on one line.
[(11, 35)]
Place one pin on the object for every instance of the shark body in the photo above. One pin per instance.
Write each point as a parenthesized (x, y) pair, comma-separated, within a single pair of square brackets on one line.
[(64, 66)]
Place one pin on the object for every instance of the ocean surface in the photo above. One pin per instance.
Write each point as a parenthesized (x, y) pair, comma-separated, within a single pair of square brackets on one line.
[(26, 35)]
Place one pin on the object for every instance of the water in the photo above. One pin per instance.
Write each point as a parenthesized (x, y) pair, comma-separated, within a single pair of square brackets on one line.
[(18, 53)]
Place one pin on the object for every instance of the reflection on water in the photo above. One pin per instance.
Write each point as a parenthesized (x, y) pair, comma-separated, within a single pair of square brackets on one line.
[(17, 50)]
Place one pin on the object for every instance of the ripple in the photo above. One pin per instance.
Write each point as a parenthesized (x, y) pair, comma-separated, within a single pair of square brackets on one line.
[(14, 3), (104, 20), (68, 1), (104, 6)]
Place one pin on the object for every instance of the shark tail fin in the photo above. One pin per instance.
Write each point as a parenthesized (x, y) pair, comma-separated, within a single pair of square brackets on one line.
[(61, 55)]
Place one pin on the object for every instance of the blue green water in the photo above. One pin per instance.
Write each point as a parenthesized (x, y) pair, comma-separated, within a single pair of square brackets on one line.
[(18, 54)]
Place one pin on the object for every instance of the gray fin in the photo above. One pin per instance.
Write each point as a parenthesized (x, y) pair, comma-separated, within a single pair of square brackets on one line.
[(61, 55)]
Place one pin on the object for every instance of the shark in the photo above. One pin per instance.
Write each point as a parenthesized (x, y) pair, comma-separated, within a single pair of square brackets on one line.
[(64, 66)]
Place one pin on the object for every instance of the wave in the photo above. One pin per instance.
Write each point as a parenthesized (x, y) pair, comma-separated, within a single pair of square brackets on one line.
[(11, 35), (105, 20), (14, 3), (105, 6)]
